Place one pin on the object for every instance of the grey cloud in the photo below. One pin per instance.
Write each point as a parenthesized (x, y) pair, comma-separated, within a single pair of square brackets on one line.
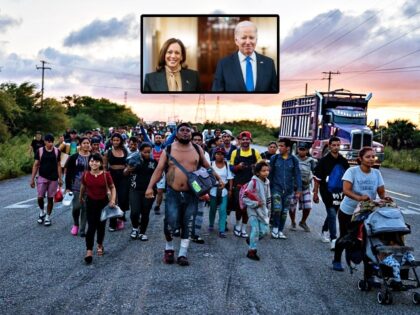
[(314, 34), (8, 22), (99, 30), (410, 7)]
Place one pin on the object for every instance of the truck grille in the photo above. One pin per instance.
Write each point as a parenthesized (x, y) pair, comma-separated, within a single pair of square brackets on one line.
[(361, 140)]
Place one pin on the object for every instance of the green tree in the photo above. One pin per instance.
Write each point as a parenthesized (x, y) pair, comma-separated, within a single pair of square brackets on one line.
[(400, 133), (9, 111), (83, 122)]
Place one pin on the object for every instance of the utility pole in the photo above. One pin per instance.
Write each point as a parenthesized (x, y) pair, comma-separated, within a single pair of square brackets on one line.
[(200, 114), (43, 67), (306, 89), (217, 113), (329, 77), (125, 98)]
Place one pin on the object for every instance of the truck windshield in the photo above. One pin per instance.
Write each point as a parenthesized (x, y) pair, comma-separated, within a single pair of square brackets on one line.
[(349, 117)]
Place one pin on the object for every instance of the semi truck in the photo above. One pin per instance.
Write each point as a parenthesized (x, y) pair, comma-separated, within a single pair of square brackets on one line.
[(315, 118)]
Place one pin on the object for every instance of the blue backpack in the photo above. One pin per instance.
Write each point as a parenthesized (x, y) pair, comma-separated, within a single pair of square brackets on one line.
[(335, 184)]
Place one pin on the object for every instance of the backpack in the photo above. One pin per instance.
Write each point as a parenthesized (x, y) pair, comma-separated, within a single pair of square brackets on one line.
[(335, 184), (238, 153), (41, 152), (248, 193)]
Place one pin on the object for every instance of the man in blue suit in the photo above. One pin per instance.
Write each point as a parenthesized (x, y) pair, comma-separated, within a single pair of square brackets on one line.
[(245, 70)]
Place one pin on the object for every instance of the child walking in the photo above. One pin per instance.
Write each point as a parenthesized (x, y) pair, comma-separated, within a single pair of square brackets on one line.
[(257, 198)]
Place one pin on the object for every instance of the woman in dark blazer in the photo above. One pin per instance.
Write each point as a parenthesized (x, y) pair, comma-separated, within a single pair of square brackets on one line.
[(171, 73)]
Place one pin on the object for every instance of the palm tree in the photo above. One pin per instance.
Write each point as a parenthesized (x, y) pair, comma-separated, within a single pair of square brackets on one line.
[(400, 133)]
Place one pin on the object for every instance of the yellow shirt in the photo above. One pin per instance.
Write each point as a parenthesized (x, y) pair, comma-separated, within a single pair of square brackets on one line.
[(244, 154)]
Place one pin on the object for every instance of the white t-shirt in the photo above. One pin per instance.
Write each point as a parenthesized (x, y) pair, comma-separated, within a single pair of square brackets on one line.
[(363, 184), (225, 174)]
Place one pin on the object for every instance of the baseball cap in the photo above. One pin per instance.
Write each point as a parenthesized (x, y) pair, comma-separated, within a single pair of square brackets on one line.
[(302, 145), (245, 134), (227, 132), (220, 150)]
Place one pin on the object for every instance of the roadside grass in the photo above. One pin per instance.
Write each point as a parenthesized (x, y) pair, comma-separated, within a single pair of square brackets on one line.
[(15, 158), (404, 160)]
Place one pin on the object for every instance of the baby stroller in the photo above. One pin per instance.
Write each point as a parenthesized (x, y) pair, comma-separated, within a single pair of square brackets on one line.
[(383, 235)]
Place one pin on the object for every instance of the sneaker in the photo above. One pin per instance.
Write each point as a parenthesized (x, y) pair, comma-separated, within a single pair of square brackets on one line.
[(293, 227), (182, 261), (325, 237), (47, 221), (111, 229), (134, 234), (222, 235), (120, 224), (304, 226), (143, 237), (332, 245), (252, 254), (74, 230), (157, 210), (196, 239), (41, 218), (169, 258), (274, 235), (282, 236), (177, 233), (336, 265)]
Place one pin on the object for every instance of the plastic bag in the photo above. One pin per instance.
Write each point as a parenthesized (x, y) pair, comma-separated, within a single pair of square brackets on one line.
[(58, 197), (109, 213)]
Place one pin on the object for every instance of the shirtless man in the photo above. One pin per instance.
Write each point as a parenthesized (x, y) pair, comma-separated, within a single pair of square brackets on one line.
[(180, 202)]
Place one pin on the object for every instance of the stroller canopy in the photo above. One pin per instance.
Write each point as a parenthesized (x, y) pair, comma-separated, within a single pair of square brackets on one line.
[(386, 220)]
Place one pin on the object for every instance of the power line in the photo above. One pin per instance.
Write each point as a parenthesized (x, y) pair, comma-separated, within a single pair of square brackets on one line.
[(329, 77), (43, 68)]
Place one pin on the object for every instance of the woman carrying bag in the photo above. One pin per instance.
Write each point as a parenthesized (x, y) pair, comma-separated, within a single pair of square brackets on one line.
[(96, 183)]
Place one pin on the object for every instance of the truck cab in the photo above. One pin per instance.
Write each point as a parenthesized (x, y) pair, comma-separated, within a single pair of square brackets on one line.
[(315, 118)]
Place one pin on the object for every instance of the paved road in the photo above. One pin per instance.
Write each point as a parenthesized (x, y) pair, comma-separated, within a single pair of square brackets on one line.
[(42, 269)]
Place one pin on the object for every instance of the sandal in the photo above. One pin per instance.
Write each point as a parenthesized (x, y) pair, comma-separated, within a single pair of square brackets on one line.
[(236, 232), (88, 257), (100, 250)]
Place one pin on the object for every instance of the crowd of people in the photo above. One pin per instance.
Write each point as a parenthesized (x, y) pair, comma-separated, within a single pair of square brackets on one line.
[(137, 168)]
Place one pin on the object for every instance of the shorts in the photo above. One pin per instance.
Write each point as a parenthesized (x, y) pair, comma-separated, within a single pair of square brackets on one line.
[(44, 185), (162, 183), (304, 201)]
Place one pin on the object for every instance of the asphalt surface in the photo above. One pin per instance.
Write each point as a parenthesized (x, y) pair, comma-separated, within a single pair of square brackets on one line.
[(43, 272)]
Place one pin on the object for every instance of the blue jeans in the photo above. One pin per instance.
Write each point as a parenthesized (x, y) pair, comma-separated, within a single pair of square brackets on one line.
[(330, 223), (222, 212), (197, 220), (281, 206), (258, 230), (179, 207)]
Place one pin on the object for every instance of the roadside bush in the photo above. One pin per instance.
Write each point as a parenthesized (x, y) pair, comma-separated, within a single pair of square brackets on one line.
[(15, 157), (405, 160)]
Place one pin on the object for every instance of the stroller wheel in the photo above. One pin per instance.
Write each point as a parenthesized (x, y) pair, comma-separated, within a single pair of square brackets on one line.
[(416, 298), (384, 298)]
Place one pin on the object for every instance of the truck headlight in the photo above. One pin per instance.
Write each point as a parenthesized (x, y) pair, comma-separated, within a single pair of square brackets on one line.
[(379, 149)]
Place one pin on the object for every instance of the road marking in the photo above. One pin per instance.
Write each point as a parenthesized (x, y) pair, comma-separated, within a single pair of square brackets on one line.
[(410, 207), (413, 203), (400, 194), (20, 205), (406, 211)]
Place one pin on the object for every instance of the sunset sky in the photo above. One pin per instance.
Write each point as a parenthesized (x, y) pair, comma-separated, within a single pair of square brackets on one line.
[(93, 48)]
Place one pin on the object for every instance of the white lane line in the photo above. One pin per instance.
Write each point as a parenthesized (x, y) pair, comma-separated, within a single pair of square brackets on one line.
[(413, 203), (410, 207), (399, 194), (406, 211), (20, 205)]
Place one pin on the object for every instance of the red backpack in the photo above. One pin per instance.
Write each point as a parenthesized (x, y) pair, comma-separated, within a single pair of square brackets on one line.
[(251, 194)]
